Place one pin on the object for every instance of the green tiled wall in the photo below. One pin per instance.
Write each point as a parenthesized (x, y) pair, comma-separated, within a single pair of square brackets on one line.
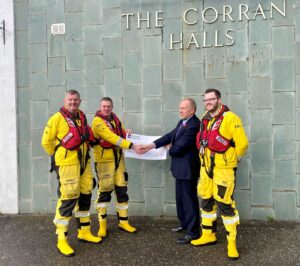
[(259, 77)]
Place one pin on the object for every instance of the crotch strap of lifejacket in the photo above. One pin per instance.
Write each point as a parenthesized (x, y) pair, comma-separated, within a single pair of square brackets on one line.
[(83, 161), (209, 170)]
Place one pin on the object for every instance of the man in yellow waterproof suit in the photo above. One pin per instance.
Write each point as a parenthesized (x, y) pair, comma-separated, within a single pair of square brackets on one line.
[(110, 166), (66, 137), (222, 143)]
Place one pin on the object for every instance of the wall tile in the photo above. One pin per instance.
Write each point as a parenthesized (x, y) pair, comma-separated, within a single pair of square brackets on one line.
[(152, 81), (261, 156), (172, 95), (285, 174), (56, 12), (112, 25), (22, 44), (92, 12), (284, 106), (74, 55), (285, 205), (172, 66), (39, 110), (41, 203), (193, 79), (154, 200), (56, 71), (92, 39), (136, 187), (283, 141), (262, 189), (133, 97), (93, 69), (260, 60), (260, 124), (262, 213), (237, 77), (260, 93), (242, 199), (152, 56), (37, 29), (283, 72), (131, 67), (74, 27), (282, 41), (40, 170), (112, 52), (153, 174)]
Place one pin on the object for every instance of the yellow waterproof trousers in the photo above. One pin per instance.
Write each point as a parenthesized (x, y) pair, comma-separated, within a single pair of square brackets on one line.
[(218, 192), (110, 179), (74, 193)]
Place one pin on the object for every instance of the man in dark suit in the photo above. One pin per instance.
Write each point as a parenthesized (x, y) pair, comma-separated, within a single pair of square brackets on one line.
[(185, 166)]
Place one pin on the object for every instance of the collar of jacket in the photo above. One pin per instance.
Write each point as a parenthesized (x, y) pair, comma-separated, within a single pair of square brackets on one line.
[(222, 110)]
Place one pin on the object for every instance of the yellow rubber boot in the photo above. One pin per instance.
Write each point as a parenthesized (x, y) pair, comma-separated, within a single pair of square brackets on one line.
[(124, 225), (230, 224), (122, 211), (232, 252), (84, 234), (101, 208), (64, 247), (207, 238), (62, 242), (209, 228), (102, 228)]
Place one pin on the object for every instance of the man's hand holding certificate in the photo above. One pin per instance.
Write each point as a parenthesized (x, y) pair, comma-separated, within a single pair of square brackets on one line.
[(146, 151)]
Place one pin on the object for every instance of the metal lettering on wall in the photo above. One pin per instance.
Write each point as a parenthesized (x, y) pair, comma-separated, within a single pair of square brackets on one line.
[(210, 37)]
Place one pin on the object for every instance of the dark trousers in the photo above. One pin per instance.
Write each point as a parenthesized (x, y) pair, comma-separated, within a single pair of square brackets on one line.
[(188, 206)]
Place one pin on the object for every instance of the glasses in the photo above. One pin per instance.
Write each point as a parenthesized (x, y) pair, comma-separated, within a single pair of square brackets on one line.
[(209, 100)]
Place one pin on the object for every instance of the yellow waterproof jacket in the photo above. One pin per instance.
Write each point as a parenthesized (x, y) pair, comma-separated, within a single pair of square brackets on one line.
[(102, 131), (232, 129), (57, 128)]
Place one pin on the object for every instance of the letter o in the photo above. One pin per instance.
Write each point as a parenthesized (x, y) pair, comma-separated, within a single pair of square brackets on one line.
[(216, 14)]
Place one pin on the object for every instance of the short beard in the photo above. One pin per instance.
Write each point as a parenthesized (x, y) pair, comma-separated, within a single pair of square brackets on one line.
[(215, 109)]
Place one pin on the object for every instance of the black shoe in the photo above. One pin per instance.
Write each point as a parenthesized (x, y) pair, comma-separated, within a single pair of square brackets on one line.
[(177, 229), (186, 239)]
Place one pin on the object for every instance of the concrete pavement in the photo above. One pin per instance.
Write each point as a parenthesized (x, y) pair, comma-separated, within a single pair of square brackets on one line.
[(31, 240)]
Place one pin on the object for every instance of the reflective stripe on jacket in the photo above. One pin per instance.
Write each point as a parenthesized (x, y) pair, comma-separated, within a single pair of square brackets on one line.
[(101, 130)]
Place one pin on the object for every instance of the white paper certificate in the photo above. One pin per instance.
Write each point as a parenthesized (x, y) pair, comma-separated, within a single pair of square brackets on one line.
[(154, 154)]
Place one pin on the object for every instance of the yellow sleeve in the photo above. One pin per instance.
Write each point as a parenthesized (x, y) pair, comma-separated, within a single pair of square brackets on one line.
[(239, 136), (50, 134), (101, 130)]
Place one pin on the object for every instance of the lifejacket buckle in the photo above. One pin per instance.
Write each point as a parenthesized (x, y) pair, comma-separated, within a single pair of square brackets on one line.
[(203, 143)]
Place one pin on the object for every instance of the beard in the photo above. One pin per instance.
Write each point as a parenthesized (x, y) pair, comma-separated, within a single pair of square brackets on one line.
[(213, 108)]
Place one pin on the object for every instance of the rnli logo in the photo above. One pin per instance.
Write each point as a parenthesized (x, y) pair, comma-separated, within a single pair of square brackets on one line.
[(216, 125), (67, 138), (221, 140), (70, 122)]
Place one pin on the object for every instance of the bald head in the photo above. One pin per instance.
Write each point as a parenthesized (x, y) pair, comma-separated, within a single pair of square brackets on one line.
[(187, 108)]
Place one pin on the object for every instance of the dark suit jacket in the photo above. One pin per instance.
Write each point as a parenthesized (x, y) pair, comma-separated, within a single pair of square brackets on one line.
[(185, 162)]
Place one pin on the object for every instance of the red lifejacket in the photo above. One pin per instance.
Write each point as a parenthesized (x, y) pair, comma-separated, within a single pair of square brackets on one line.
[(77, 133), (211, 138), (115, 128)]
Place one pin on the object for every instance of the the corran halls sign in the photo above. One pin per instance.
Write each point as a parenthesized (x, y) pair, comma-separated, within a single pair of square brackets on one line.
[(209, 15)]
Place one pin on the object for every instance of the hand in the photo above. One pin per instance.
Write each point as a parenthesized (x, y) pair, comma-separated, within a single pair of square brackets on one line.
[(128, 132), (136, 148), (143, 148), (169, 146)]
